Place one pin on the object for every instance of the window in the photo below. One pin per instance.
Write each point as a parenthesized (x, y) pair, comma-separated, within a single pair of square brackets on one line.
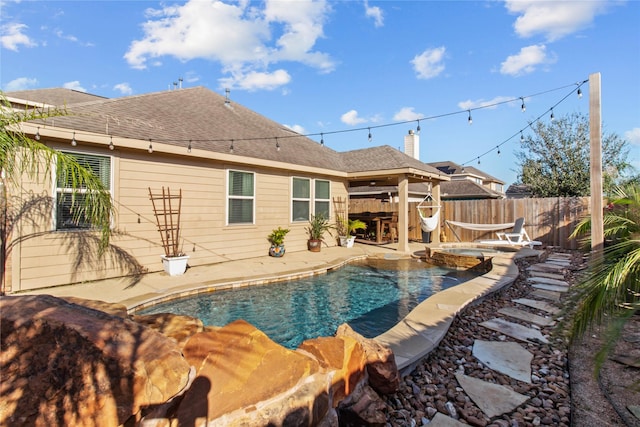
[(322, 197), (241, 196), (69, 206), (301, 205), (304, 203)]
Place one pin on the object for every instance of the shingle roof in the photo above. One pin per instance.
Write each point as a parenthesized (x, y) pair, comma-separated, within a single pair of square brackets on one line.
[(54, 96), (466, 189), (381, 158)]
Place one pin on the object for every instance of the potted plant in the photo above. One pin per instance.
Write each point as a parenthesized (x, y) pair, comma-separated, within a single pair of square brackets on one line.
[(349, 227), (276, 238), (318, 225)]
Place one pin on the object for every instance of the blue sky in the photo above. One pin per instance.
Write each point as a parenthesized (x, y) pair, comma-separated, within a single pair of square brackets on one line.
[(340, 68)]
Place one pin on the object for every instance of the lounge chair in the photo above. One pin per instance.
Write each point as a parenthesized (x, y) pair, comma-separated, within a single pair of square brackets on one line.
[(516, 237)]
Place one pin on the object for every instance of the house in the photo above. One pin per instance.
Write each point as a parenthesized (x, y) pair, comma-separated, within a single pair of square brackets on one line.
[(240, 174), (468, 183)]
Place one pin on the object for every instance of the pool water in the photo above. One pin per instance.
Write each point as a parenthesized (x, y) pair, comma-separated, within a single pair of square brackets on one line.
[(371, 296)]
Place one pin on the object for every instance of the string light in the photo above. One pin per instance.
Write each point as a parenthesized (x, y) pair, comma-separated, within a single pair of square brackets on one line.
[(231, 147), (111, 146), (150, 149), (478, 160), (277, 144), (189, 147), (37, 135), (523, 107), (418, 128), (552, 116), (498, 147), (73, 140), (521, 137), (322, 139), (370, 137), (470, 120), (579, 92)]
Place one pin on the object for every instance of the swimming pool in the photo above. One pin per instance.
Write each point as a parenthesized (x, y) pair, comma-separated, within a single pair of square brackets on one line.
[(371, 296)]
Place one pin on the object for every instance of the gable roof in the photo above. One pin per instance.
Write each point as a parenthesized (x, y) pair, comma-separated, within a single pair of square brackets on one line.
[(205, 120), (451, 168), (466, 189), (54, 96)]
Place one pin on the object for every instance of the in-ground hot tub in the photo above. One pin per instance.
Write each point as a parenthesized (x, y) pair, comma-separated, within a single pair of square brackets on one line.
[(466, 256)]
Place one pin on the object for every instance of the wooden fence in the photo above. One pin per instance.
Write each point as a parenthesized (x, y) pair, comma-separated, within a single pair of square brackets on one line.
[(549, 220)]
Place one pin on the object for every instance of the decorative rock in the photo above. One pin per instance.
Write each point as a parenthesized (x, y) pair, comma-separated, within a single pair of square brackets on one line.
[(380, 361), (99, 369), (175, 326), (362, 408), (241, 381)]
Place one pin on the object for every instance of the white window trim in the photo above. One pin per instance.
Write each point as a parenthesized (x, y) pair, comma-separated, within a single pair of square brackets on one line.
[(316, 199), (311, 200), (54, 184), (228, 197)]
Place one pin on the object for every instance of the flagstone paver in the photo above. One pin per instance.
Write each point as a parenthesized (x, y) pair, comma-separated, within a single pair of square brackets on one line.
[(540, 305), (441, 420), (549, 295), (492, 399), (514, 330), (509, 358), (546, 274), (555, 288), (516, 313), (547, 281), (546, 268)]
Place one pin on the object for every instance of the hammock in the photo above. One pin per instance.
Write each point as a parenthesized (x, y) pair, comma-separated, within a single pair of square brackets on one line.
[(429, 223), (477, 227)]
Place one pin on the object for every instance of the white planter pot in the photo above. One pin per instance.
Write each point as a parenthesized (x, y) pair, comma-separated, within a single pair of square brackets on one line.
[(175, 265), (347, 242)]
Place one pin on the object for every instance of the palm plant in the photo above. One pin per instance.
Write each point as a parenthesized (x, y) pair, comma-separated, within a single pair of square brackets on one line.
[(22, 156), (609, 291)]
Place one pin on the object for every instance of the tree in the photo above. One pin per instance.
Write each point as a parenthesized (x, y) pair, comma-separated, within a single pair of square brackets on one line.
[(609, 290), (22, 156), (555, 161)]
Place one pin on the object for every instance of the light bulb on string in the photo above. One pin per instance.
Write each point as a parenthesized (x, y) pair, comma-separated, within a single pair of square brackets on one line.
[(418, 128), (498, 147), (321, 139), (523, 107), (231, 147), (150, 149), (478, 160), (370, 137), (37, 135), (579, 93), (521, 137), (111, 146), (189, 147), (470, 120), (552, 116), (73, 140), (277, 144)]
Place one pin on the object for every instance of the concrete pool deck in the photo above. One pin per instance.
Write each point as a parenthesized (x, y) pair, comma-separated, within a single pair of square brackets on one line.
[(411, 339)]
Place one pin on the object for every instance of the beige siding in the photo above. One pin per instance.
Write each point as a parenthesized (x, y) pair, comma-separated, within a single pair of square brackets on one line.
[(69, 257)]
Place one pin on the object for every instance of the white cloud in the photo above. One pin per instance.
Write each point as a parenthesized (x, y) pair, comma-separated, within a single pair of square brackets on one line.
[(255, 80), (554, 19), (22, 83), (482, 103), (351, 118), (406, 114), (75, 85), (243, 37), (296, 128), (633, 136), (13, 37), (526, 61), (429, 63), (123, 88), (375, 13)]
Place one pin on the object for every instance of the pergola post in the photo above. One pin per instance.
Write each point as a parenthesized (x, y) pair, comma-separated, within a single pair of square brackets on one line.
[(595, 141), (403, 214)]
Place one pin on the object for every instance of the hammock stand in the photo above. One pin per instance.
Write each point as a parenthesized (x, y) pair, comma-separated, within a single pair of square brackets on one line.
[(476, 227), (432, 222)]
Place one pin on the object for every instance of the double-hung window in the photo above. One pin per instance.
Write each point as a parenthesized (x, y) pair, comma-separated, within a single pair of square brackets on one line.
[(240, 197), (309, 197), (70, 202)]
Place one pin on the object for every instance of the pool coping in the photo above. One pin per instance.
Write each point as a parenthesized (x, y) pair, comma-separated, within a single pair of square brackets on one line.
[(420, 332)]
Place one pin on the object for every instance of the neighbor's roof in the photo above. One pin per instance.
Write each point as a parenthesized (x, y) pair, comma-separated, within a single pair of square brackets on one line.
[(451, 168), (382, 158), (466, 189)]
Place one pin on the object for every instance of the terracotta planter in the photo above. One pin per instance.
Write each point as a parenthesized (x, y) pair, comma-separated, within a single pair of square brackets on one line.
[(314, 245)]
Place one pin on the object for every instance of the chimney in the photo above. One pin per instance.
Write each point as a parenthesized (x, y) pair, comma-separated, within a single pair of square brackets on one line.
[(412, 144)]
